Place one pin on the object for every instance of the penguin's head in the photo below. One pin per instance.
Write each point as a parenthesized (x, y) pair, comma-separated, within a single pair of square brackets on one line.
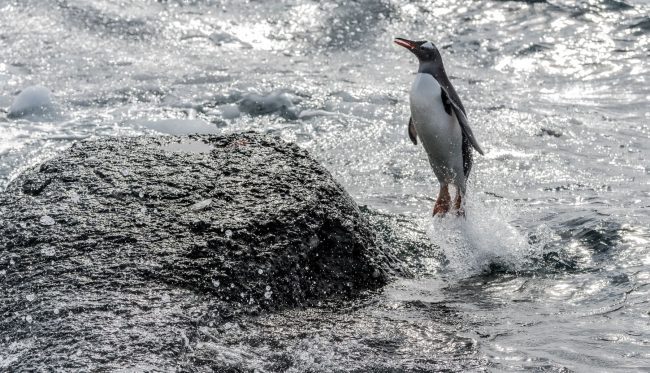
[(424, 50)]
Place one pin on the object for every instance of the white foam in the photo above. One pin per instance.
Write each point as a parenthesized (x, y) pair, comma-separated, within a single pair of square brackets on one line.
[(427, 45), (485, 237)]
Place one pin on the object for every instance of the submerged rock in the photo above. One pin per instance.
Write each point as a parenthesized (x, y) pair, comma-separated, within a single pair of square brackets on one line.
[(280, 102), (129, 246)]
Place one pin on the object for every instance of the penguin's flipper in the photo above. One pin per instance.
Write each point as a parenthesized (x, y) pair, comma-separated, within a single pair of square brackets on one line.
[(412, 134), (462, 120), (446, 102)]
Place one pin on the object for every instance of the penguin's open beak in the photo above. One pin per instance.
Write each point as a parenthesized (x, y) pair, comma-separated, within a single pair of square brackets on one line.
[(408, 44)]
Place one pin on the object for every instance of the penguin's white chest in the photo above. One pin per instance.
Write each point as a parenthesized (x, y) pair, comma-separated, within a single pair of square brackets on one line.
[(439, 132)]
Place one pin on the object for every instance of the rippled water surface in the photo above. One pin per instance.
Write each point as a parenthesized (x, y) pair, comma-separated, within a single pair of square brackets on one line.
[(551, 268)]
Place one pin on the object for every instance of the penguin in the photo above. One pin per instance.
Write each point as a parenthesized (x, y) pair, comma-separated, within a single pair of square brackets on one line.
[(439, 120)]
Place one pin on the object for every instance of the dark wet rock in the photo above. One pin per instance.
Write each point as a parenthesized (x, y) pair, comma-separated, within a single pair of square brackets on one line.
[(549, 132), (116, 253), (405, 237)]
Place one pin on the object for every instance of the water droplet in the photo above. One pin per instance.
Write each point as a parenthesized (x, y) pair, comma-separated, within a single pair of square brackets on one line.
[(48, 251), (268, 288), (47, 220), (201, 205), (124, 172), (74, 197), (268, 294), (30, 297), (260, 271), (228, 233), (216, 283), (29, 319), (11, 261), (56, 311), (141, 194)]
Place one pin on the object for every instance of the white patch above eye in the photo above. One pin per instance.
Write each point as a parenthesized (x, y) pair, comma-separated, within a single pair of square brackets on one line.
[(427, 45)]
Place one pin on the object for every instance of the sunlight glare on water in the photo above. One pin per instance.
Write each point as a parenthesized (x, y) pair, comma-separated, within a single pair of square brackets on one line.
[(548, 271)]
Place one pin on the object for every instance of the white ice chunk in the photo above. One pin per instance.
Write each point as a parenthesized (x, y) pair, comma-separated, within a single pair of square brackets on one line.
[(34, 100), (181, 126)]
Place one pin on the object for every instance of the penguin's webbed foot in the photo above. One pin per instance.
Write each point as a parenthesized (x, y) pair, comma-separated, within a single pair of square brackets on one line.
[(443, 202), (459, 206)]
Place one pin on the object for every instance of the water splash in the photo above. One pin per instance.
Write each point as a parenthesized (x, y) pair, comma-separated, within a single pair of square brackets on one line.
[(485, 241)]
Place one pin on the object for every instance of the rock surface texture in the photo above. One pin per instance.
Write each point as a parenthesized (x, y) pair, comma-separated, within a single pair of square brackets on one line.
[(121, 251)]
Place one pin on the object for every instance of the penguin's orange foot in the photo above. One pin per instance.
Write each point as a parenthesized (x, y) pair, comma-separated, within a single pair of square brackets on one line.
[(458, 205), (440, 209), (443, 203)]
